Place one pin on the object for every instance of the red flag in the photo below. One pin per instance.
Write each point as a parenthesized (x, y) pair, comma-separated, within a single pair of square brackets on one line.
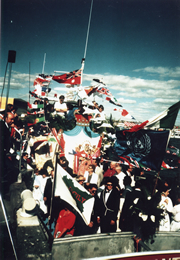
[(136, 127), (103, 91), (62, 146), (55, 135), (90, 90), (42, 80), (124, 113), (73, 77)]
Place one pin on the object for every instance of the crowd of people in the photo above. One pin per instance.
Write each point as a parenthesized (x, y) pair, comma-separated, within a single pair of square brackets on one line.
[(126, 198)]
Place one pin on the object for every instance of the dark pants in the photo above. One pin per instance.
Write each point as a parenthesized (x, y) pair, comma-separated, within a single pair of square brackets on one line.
[(106, 227)]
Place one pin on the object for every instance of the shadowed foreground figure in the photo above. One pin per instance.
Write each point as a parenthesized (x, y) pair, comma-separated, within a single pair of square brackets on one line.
[(109, 206)]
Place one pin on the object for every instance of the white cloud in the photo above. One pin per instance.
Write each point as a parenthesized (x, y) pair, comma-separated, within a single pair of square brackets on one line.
[(162, 71)]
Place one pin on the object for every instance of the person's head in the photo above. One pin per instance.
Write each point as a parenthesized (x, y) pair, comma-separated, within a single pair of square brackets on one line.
[(101, 108), (92, 189), (36, 171), (43, 172), (118, 169), (91, 168), (127, 180), (9, 119), (109, 185), (52, 174), (25, 156), (61, 99), (86, 147), (45, 100), (89, 151), (81, 179), (62, 160), (65, 165), (166, 192), (130, 168), (94, 161), (113, 165), (138, 171), (14, 111), (9, 107), (95, 104)]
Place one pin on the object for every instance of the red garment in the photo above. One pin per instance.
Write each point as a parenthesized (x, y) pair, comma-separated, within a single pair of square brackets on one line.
[(66, 219), (76, 159), (12, 131), (109, 172)]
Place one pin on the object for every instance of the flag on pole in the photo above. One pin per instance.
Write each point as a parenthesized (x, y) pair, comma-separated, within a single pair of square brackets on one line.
[(165, 119), (54, 132), (37, 120), (73, 77), (36, 112), (60, 141), (35, 106), (73, 193), (103, 91), (147, 147), (42, 80), (166, 166), (124, 113), (113, 101), (90, 90)]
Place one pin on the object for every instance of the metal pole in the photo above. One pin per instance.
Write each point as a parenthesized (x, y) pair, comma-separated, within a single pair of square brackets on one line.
[(44, 63), (7, 224), (3, 84), (19, 176), (29, 81), (53, 183), (10, 68)]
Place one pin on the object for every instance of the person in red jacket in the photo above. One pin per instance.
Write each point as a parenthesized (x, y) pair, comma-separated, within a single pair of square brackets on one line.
[(65, 224)]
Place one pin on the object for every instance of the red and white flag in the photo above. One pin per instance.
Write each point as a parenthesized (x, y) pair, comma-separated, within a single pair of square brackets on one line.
[(73, 77), (42, 80)]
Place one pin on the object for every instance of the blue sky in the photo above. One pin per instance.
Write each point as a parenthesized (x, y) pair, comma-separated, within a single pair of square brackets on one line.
[(133, 48)]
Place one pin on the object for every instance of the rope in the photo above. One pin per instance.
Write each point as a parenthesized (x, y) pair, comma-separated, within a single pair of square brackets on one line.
[(88, 29)]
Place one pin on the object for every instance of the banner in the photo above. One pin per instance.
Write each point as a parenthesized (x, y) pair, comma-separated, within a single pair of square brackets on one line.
[(73, 193)]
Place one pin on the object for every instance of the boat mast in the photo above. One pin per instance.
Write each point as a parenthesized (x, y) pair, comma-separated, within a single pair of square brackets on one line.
[(88, 29), (44, 63), (87, 37)]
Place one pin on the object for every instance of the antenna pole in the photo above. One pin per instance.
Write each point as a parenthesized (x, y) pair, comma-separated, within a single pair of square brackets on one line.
[(88, 29), (29, 80), (44, 63)]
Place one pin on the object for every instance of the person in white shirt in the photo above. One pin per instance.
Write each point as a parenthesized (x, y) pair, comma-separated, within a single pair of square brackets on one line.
[(60, 107), (175, 224), (100, 114), (90, 175), (120, 176), (167, 205), (39, 186), (98, 171), (129, 172)]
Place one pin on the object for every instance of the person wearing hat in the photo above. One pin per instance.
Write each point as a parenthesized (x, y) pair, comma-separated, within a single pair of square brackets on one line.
[(109, 206)]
